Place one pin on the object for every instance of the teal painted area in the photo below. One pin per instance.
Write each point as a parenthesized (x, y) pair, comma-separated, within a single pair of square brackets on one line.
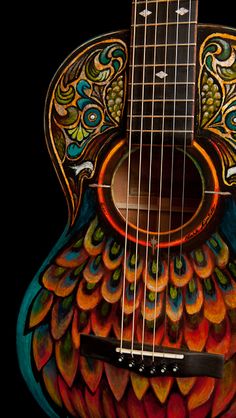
[(73, 150), (230, 120), (97, 117), (191, 296), (24, 348), (23, 341), (228, 223), (176, 300)]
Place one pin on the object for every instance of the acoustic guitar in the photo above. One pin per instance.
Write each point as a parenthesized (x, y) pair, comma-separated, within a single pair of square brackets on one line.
[(133, 313)]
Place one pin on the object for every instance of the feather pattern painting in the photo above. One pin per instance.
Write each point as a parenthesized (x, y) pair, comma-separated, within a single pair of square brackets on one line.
[(130, 265)]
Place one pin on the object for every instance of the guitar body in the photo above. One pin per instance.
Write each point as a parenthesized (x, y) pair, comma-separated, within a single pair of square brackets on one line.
[(79, 288)]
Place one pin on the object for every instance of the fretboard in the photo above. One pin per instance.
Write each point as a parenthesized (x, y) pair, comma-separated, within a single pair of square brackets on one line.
[(162, 71)]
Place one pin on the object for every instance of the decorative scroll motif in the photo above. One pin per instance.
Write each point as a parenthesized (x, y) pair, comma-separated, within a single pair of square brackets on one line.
[(79, 287), (217, 89), (81, 292), (86, 106)]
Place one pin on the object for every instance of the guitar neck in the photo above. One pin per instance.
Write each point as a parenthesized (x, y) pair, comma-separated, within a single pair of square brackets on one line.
[(162, 71)]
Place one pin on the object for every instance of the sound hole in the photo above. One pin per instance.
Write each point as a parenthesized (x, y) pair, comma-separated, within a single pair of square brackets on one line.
[(153, 195)]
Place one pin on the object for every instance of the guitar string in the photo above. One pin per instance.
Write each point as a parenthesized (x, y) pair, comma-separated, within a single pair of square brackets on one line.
[(128, 177), (172, 166), (149, 188), (149, 184), (185, 134), (139, 182), (160, 187)]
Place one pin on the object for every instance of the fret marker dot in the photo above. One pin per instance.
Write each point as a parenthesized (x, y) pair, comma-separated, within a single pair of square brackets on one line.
[(182, 11), (161, 74), (145, 13)]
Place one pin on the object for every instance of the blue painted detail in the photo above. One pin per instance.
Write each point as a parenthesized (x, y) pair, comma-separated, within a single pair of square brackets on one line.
[(182, 270), (92, 117), (112, 285), (190, 297), (73, 150), (218, 118), (87, 211), (209, 62), (85, 100), (104, 128), (69, 280), (230, 120), (214, 248), (176, 302), (23, 340), (24, 350), (94, 266), (228, 223), (82, 86), (72, 255), (209, 294), (151, 304)]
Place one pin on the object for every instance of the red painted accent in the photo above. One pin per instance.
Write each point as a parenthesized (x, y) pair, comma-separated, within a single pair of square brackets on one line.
[(152, 407), (94, 403), (135, 407), (65, 394), (42, 347), (185, 238), (108, 403), (202, 411), (201, 392), (176, 407), (91, 371), (117, 379), (226, 389), (78, 402)]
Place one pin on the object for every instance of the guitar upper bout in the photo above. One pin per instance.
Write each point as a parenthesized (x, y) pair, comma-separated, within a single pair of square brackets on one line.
[(217, 97), (84, 107)]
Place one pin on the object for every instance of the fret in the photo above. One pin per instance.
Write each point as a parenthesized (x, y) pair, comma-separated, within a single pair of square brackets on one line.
[(160, 116), (180, 73), (161, 82), (166, 64), (172, 122), (161, 100), (162, 9), (151, 1), (162, 75), (163, 45), (168, 131), (183, 55), (163, 23), (155, 108), (156, 34), (160, 91), (157, 136)]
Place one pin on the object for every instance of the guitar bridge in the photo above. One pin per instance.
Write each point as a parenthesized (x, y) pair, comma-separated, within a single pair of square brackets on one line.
[(143, 360)]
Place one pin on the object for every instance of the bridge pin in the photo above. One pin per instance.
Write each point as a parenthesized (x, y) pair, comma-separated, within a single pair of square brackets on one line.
[(163, 368), (131, 364), (141, 368), (175, 368), (121, 358), (152, 370)]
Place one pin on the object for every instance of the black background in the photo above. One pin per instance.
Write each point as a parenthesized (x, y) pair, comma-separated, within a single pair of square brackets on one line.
[(41, 40)]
